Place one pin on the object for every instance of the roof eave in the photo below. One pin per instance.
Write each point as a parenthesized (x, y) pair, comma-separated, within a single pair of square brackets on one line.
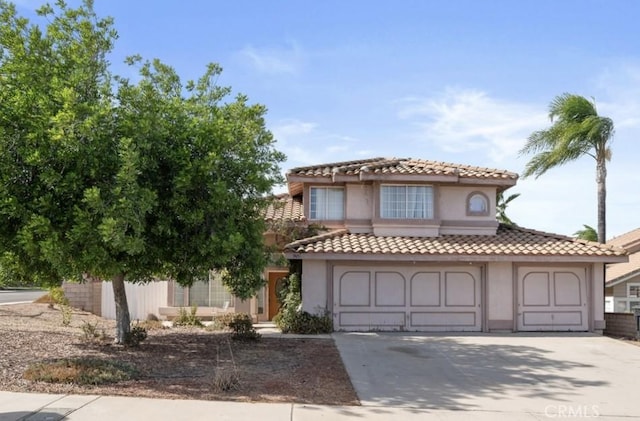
[(292, 255)]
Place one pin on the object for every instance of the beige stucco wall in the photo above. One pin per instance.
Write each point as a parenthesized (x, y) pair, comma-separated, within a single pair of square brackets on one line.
[(314, 286), (359, 201), (597, 294), (499, 287), (452, 202)]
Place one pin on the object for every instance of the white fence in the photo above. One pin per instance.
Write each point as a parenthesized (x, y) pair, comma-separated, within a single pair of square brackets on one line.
[(142, 299)]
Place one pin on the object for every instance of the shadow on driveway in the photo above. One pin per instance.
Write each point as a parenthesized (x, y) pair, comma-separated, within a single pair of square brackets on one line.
[(466, 372)]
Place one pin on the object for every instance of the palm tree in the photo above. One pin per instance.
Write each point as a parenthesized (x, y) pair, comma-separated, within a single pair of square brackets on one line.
[(577, 130), (587, 233), (501, 207)]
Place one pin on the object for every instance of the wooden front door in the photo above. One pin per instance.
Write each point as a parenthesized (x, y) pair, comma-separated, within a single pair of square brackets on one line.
[(274, 304)]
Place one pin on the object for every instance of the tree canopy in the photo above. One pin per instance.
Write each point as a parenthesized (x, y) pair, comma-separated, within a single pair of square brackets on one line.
[(124, 179), (577, 130)]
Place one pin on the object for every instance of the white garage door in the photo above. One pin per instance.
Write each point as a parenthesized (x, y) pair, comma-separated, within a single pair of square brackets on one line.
[(552, 299), (431, 298)]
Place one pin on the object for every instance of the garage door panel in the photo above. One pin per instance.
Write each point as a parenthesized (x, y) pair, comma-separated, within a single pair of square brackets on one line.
[(371, 320), (443, 319), (536, 290), (407, 297), (425, 289), (567, 289), (355, 288), (460, 289), (552, 299), (390, 289)]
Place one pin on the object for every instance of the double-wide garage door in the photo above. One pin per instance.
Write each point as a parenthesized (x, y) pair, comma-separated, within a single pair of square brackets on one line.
[(552, 299), (438, 298)]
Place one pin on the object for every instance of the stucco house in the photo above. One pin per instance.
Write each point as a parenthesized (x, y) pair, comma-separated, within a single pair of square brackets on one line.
[(410, 244), (623, 279), (415, 245)]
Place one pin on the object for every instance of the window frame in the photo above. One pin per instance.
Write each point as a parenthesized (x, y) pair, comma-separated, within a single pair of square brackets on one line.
[(429, 202), (470, 197), (326, 212)]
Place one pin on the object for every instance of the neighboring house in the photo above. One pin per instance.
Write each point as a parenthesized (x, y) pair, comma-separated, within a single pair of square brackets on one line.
[(623, 279), (414, 245)]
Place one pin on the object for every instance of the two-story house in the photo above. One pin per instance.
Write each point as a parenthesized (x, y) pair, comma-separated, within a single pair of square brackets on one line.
[(410, 245), (415, 245)]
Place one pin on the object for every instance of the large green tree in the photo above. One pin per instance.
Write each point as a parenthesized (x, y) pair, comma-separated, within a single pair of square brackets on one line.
[(577, 130), (121, 180)]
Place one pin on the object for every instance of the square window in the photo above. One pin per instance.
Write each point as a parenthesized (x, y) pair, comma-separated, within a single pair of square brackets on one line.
[(406, 202), (326, 203)]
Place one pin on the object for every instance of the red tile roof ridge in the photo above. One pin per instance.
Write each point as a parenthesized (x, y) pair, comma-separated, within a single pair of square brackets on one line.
[(567, 238)]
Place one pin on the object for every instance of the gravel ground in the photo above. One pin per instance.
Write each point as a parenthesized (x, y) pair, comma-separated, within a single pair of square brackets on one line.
[(176, 363)]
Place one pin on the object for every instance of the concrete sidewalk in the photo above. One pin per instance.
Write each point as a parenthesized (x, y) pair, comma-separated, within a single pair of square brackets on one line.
[(44, 407)]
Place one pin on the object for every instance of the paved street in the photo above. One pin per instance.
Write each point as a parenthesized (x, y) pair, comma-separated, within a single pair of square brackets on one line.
[(19, 295)]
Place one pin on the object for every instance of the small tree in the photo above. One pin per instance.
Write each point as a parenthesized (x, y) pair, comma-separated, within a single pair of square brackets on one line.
[(121, 180)]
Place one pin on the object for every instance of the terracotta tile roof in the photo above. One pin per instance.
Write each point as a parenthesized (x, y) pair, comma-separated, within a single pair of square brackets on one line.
[(509, 241), (621, 271), (401, 166), (285, 208)]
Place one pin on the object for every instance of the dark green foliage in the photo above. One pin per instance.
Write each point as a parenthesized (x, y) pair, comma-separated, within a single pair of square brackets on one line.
[(291, 318), (119, 179), (135, 336)]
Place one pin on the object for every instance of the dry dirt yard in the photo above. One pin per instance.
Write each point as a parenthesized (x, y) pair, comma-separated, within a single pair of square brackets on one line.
[(176, 363)]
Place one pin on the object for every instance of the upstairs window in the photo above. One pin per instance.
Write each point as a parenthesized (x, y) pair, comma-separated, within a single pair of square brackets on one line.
[(326, 203), (477, 204), (406, 202)]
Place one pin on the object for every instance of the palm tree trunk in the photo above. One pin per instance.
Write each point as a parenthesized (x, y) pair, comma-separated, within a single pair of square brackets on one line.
[(601, 178), (123, 320)]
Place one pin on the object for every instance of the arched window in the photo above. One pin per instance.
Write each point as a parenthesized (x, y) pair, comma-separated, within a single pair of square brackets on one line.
[(477, 204)]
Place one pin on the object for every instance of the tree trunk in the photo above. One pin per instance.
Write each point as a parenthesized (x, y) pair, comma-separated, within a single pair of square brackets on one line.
[(601, 180), (123, 320)]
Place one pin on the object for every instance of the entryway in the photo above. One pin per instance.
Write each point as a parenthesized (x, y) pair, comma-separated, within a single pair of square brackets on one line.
[(274, 303)]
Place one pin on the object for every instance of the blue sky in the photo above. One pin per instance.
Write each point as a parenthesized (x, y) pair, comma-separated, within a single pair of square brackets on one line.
[(456, 81)]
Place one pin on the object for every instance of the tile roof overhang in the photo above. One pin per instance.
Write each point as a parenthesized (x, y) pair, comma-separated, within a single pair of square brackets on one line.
[(398, 170), (509, 244)]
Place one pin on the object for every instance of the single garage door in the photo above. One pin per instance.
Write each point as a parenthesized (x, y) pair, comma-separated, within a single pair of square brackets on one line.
[(552, 299), (427, 298)]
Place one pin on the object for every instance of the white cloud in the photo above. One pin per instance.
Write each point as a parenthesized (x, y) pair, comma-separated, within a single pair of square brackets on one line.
[(274, 60), (470, 120), (305, 144)]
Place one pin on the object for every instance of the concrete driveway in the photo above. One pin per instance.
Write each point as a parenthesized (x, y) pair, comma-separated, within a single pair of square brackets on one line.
[(549, 375)]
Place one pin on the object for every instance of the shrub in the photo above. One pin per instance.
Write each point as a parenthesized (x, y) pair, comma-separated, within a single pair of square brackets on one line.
[(291, 318), (225, 380), (83, 371), (188, 318), (221, 321), (242, 328), (90, 332), (56, 294), (135, 336)]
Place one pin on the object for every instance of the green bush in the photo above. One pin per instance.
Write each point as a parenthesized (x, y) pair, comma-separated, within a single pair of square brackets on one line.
[(188, 318), (242, 328), (135, 336), (291, 318)]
